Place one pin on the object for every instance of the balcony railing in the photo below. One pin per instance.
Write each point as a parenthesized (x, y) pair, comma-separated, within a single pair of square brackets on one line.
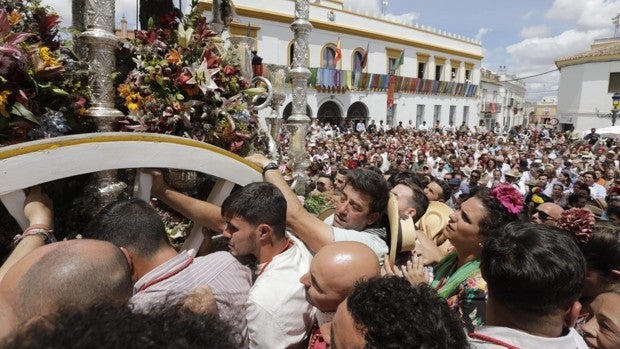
[(346, 80)]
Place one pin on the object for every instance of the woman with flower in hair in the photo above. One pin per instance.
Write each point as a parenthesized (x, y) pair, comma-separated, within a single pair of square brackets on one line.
[(600, 244), (457, 276)]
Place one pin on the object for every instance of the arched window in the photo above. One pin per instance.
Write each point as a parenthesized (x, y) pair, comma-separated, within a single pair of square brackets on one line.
[(358, 56), (328, 57)]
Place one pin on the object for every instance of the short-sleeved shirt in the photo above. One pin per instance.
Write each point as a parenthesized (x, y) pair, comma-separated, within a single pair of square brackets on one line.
[(371, 239)]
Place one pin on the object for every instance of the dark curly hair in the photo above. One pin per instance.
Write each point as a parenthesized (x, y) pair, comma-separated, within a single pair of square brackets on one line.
[(602, 252), (393, 314), (497, 215), (113, 326)]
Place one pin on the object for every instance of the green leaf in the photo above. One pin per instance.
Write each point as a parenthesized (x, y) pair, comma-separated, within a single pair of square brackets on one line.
[(19, 110)]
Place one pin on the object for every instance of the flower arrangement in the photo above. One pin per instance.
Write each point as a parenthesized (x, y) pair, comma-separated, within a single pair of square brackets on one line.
[(578, 222), (509, 197), (186, 83), (43, 87)]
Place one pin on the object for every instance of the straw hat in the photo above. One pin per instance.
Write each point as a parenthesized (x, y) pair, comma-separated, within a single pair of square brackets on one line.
[(513, 173), (436, 217), (402, 231)]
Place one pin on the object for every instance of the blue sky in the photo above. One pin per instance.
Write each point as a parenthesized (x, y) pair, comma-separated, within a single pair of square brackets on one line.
[(526, 36)]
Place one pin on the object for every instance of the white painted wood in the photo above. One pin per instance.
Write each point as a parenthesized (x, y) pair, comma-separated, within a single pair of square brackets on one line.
[(31, 163), (14, 202)]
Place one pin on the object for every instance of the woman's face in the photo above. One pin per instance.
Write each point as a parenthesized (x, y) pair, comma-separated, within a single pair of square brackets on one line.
[(463, 228), (602, 330)]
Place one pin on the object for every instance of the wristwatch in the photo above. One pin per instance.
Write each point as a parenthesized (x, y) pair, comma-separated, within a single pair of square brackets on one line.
[(271, 166)]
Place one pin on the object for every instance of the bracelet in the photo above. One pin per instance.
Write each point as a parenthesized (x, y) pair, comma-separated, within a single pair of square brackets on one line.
[(46, 234)]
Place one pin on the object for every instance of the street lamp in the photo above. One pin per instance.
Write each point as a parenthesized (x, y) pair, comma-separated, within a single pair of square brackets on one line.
[(615, 103), (615, 109)]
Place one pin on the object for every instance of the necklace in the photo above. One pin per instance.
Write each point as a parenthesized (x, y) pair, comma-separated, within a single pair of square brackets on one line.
[(167, 275), (286, 246)]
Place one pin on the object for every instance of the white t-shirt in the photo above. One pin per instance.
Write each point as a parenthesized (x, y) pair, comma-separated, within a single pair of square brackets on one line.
[(378, 245), (520, 339), (278, 314)]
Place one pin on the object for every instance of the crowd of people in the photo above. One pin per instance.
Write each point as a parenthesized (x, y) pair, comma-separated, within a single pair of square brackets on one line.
[(429, 237)]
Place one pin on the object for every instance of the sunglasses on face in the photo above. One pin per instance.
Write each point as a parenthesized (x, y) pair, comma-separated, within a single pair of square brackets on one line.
[(543, 216)]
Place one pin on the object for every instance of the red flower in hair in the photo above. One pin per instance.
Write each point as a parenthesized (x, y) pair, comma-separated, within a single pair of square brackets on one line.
[(509, 197), (578, 222)]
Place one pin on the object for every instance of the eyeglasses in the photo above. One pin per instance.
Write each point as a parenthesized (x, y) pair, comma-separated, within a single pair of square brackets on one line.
[(543, 216)]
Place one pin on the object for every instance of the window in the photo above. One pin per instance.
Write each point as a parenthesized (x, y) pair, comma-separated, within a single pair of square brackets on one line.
[(467, 75), (421, 70), (329, 56), (419, 115), (391, 62), (452, 114), (438, 70), (466, 114), (436, 114), (484, 96), (358, 55), (614, 83), (453, 74)]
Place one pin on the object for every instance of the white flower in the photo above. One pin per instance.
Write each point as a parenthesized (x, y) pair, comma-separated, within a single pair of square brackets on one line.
[(185, 36), (201, 75)]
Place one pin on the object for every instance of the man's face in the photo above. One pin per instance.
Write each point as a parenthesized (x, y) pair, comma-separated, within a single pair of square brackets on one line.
[(403, 198), (321, 290), (324, 184), (588, 179), (353, 210), (242, 237), (557, 191), (433, 191), (340, 181), (344, 332)]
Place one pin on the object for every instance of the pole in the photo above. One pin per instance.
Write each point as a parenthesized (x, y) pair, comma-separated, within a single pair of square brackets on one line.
[(297, 123)]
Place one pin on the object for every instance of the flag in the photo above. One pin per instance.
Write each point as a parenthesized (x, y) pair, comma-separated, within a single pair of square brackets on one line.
[(364, 60), (399, 61), (338, 53)]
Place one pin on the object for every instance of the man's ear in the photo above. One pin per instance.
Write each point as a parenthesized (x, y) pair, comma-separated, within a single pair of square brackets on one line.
[(264, 231), (570, 317), (373, 218), (129, 258)]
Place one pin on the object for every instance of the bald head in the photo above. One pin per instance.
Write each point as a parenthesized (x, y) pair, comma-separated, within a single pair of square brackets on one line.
[(334, 271), (68, 274), (547, 213)]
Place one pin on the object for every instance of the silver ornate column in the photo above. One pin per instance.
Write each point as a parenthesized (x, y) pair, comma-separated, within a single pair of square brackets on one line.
[(297, 123), (103, 187), (243, 46), (102, 46), (277, 76), (78, 18)]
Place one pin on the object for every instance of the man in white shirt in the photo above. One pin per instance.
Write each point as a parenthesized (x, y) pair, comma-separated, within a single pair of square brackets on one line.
[(597, 191), (423, 127), (535, 276)]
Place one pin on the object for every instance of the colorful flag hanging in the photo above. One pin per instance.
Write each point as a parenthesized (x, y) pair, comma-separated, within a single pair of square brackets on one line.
[(390, 90), (338, 56), (364, 60), (399, 61)]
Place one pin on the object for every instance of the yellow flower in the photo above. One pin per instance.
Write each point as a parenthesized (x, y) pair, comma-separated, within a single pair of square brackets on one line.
[(173, 57), (15, 17), (133, 101), (4, 99), (123, 90), (48, 59)]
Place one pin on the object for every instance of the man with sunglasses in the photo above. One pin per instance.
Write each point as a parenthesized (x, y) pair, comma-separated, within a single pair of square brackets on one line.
[(547, 213)]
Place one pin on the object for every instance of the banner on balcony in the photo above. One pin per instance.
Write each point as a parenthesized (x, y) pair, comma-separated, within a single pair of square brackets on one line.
[(390, 91)]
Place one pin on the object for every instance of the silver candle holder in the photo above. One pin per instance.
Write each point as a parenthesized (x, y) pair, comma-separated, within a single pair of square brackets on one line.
[(243, 46), (297, 123)]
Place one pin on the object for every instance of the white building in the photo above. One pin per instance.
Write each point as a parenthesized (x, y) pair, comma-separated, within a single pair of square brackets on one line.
[(502, 99), (587, 82), (438, 80)]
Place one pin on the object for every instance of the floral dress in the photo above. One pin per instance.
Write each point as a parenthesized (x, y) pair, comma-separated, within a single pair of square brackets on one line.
[(463, 288)]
